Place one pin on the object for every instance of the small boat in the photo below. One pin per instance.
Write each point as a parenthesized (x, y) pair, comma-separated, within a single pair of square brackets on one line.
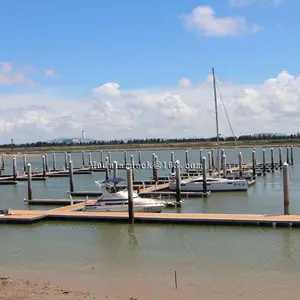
[(213, 184), (115, 199)]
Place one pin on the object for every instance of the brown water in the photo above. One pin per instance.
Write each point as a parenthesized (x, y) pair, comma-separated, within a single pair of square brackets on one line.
[(211, 262)]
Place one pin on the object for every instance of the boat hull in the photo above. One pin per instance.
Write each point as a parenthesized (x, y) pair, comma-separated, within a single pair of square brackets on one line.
[(213, 187)]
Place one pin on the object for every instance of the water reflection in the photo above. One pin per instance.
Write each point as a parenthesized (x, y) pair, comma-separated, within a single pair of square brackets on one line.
[(132, 235)]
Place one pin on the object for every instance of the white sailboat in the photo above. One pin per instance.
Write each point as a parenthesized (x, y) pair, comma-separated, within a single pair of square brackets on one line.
[(113, 199), (216, 184)]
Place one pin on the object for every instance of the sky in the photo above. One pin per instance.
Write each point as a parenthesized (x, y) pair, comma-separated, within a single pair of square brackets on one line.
[(140, 69)]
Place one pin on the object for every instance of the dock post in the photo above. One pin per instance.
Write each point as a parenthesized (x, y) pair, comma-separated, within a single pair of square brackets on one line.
[(224, 165), (139, 158), (66, 161), (286, 196), (288, 155), (24, 163), (155, 170), (153, 166), (109, 157), (44, 166), (83, 159), (186, 160), (90, 159), (115, 168), (101, 158), (209, 161), (132, 165), (240, 165), (292, 155), (106, 169), (212, 159), (172, 163), (125, 158), (2, 161), (264, 162), (272, 160), (29, 178), (280, 157), (46, 162), (14, 168), (178, 181), (130, 195), (253, 164), (200, 156), (54, 162), (204, 180), (71, 175)]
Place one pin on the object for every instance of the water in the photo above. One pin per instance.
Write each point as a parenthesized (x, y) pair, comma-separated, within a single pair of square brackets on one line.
[(123, 260)]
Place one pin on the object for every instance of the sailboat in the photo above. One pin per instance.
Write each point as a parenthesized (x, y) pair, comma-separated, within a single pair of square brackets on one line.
[(213, 183)]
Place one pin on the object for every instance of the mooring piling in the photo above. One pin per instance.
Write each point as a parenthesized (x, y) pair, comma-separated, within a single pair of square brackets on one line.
[(212, 159), (186, 159), (54, 162), (71, 176), (292, 155), (209, 161), (109, 157), (101, 158), (172, 163), (178, 181), (24, 162), (264, 162), (286, 196), (132, 166), (44, 166), (272, 160), (253, 164), (224, 165), (46, 162), (130, 195), (83, 158), (66, 161), (2, 161), (125, 158), (280, 157), (29, 181), (240, 165), (115, 169), (15, 167), (153, 165), (139, 158), (204, 179), (288, 155), (200, 152), (106, 169), (155, 169), (90, 158)]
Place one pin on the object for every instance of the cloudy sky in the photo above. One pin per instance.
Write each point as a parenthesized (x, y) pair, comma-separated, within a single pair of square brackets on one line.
[(143, 68)]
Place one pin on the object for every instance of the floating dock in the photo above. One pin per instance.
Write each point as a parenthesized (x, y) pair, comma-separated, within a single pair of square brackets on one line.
[(68, 213)]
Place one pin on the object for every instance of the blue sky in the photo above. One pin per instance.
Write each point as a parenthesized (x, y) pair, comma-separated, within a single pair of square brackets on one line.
[(144, 43), (122, 69)]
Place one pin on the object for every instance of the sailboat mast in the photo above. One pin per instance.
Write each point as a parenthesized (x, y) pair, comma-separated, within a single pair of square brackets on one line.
[(217, 120)]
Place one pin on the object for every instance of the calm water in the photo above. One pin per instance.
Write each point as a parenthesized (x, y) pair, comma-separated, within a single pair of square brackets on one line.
[(218, 262)]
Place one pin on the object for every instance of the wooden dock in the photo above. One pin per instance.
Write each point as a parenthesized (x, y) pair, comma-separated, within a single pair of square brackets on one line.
[(68, 213)]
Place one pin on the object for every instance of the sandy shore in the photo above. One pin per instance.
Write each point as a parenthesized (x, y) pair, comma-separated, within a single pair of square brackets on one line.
[(12, 288)]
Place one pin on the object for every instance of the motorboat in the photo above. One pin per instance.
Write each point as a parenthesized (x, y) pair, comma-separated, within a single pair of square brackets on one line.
[(115, 199), (214, 184)]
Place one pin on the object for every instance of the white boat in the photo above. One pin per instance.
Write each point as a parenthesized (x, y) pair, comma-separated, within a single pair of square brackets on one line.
[(213, 184), (114, 199)]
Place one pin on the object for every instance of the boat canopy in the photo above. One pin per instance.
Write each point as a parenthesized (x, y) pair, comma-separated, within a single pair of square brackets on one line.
[(113, 180)]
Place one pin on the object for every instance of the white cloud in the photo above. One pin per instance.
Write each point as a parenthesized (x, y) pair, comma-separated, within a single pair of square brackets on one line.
[(8, 76), (108, 89), (204, 20), (185, 82), (273, 105), (51, 73)]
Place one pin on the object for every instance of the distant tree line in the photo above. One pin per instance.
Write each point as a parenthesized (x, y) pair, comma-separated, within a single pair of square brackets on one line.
[(154, 141)]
